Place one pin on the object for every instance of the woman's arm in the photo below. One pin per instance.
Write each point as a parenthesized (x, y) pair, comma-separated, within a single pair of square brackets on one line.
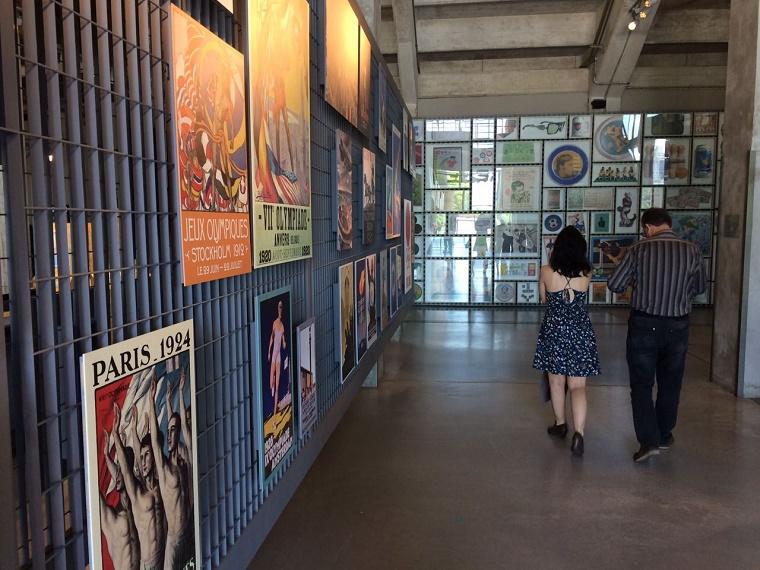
[(542, 285)]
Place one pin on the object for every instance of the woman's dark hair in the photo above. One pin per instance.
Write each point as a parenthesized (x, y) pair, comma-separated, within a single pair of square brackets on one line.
[(569, 255), (656, 217)]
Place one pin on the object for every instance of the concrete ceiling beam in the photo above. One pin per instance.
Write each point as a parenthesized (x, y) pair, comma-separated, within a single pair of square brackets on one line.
[(371, 11), (448, 11), (507, 32), (406, 41), (667, 77), (690, 26)]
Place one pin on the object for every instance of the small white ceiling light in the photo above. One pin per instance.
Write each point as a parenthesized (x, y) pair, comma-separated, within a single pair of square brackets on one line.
[(632, 25)]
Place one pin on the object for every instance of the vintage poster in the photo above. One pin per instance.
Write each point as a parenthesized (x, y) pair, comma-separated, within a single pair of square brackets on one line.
[(342, 59), (208, 83), (567, 164), (666, 162), (365, 83), (382, 110), (616, 174), (553, 223), (393, 280), (527, 292), (703, 161), (505, 292), (517, 235), (580, 127), (518, 188), (372, 315), (546, 252), (705, 124), (515, 270), (278, 63), (696, 227), (447, 167), (276, 419), (393, 229), (617, 137), (307, 377), (590, 198), (554, 199), (346, 320), (552, 127), (368, 196), (405, 139), (578, 220), (601, 222), (408, 254), (399, 278), (139, 417), (688, 198), (385, 315), (518, 152), (667, 125), (507, 128), (344, 171), (360, 282), (607, 252), (627, 211)]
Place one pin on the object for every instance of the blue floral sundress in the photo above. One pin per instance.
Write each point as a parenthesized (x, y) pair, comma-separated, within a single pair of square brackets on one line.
[(567, 343)]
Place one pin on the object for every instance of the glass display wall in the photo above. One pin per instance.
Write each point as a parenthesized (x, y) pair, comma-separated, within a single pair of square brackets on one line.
[(491, 195)]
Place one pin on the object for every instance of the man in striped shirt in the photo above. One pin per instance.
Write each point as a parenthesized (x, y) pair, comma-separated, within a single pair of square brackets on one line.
[(666, 273)]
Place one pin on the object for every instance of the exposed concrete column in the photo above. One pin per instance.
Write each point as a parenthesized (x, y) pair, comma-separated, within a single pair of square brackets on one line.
[(736, 331), (620, 54), (371, 11), (406, 33)]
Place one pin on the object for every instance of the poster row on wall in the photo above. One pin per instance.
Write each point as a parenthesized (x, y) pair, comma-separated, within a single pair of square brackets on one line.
[(141, 432), (229, 173)]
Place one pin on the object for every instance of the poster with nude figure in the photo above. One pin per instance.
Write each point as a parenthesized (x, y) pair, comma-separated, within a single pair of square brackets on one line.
[(276, 425), (211, 173), (280, 111), (142, 469)]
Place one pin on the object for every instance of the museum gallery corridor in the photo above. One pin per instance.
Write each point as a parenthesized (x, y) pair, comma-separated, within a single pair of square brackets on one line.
[(447, 464)]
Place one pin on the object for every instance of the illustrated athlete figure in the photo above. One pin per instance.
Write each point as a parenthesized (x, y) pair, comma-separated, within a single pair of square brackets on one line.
[(274, 354), (118, 524), (180, 452), (145, 498), (173, 491)]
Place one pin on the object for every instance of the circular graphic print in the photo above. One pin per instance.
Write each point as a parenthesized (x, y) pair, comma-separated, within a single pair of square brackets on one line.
[(568, 165), (417, 292), (612, 140), (552, 223), (505, 293)]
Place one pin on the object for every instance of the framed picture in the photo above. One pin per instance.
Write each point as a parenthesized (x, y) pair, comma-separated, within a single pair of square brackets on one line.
[(517, 269), (688, 197), (360, 312), (383, 280), (344, 171), (393, 280), (627, 210), (580, 126), (617, 138), (399, 282), (721, 128), (554, 199), (667, 125), (307, 377), (607, 252), (518, 152), (578, 220), (615, 174), (590, 198), (553, 223), (567, 164), (705, 124), (346, 321), (365, 83), (544, 127), (276, 417), (527, 293), (703, 161), (418, 292), (599, 293), (342, 59), (405, 140), (623, 298), (652, 197), (505, 292), (395, 204), (696, 227), (447, 167), (517, 235), (546, 252), (601, 222), (419, 130), (665, 162), (482, 153), (518, 187), (382, 110), (131, 413), (408, 254), (368, 196), (508, 128)]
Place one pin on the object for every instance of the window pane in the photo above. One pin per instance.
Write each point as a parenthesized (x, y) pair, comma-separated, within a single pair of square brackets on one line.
[(447, 200), (482, 188), (482, 129), (447, 130), (447, 280), (447, 166)]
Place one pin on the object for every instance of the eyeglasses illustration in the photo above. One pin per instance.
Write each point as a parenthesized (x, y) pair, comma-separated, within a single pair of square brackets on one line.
[(550, 127)]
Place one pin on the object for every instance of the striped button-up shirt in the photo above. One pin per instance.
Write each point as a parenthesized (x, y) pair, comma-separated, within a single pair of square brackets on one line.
[(666, 273)]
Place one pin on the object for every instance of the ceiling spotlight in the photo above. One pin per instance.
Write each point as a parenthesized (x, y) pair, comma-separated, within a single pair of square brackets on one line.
[(643, 15), (647, 3), (632, 25)]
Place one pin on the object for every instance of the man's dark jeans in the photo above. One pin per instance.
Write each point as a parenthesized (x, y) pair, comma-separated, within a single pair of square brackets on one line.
[(656, 347)]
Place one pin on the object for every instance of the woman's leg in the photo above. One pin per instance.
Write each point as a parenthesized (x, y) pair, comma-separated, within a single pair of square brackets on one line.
[(578, 402), (557, 388)]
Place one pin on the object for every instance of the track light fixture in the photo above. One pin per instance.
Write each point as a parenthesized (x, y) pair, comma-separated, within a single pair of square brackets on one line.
[(639, 12)]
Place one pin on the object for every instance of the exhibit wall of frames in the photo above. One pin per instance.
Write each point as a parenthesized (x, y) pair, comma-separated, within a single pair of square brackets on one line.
[(181, 161), (491, 194)]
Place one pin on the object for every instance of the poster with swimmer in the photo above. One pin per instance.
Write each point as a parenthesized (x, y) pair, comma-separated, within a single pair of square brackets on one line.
[(139, 418), (276, 424)]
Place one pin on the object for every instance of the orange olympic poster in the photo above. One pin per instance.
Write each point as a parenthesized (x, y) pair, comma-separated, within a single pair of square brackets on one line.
[(212, 159)]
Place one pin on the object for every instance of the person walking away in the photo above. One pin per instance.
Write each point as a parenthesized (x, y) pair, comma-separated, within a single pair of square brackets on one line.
[(666, 273), (566, 348)]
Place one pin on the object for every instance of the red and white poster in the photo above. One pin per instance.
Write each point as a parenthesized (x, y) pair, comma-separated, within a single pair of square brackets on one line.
[(140, 440)]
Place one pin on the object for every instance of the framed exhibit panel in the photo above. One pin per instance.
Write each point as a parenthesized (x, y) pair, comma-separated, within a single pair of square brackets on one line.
[(372, 310), (274, 390), (344, 190), (307, 377), (140, 428), (346, 324), (213, 183), (342, 59), (360, 310), (280, 133), (368, 196)]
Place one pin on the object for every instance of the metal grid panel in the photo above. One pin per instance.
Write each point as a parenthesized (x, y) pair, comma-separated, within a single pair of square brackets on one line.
[(95, 250)]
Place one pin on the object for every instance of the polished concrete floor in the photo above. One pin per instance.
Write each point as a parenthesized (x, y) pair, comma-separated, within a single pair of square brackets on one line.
[(447, 465)]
